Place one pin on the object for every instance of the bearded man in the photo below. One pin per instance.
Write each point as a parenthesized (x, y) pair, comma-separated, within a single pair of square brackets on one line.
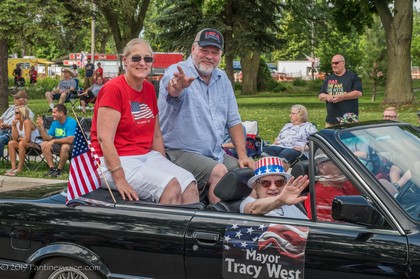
[(197, 106)]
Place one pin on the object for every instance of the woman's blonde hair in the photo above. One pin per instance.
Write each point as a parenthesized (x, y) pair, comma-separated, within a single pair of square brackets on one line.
[(24, 112), (133, 42)]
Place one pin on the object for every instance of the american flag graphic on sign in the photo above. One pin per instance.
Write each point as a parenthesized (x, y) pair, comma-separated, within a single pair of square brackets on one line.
[(141, 111), (263, 250), (288, 240)]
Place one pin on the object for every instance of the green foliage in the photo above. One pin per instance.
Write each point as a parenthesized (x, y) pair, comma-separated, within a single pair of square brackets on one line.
[(415, 43), (37, 90), (238, 86), (344, 13), (299, 82), (314, 85)]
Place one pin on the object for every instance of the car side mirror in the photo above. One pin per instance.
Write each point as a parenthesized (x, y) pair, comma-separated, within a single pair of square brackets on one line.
[(356, 210)]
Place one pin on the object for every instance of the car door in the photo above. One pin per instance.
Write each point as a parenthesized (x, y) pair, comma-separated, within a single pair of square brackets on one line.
[(331, 250), (142, 241), (132, 241)]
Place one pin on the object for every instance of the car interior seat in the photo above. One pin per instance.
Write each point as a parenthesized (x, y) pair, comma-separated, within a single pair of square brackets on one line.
[(301, 168), (232, 189)]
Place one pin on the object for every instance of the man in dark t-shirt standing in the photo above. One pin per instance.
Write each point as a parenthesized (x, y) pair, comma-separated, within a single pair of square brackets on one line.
[(340, 91), (89, 70)]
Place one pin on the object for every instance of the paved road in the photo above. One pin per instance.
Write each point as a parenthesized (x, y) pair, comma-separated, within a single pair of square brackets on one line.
[(9, 183)]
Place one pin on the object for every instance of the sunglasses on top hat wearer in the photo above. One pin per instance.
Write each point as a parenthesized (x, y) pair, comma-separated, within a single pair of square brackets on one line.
[(267, 183)]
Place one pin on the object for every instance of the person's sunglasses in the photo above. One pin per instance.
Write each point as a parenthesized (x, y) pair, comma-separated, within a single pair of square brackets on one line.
[(267, 183), (335, 63), (137, 58), (17, 112)]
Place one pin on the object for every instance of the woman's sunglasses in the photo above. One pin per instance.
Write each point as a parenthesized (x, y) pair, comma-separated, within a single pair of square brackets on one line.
[(137, 58)]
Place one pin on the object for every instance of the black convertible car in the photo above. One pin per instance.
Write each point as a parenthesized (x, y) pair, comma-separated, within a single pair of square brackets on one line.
[(374, 234)]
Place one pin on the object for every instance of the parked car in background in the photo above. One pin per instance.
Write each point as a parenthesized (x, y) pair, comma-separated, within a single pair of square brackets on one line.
[(371, 235)]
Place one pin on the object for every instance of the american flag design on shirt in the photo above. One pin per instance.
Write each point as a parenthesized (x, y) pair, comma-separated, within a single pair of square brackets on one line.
[(141, 111)]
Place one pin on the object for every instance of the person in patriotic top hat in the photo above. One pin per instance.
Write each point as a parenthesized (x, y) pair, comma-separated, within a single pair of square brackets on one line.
[(275, 192)]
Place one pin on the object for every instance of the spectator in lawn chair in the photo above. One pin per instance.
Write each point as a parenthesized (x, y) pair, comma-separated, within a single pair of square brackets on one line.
[(197, 105), (291, 142), (228, 145), (19, 99), (126, 135), (65, 87), (24, 135), (275, 192), (58, 139), (90, 94)]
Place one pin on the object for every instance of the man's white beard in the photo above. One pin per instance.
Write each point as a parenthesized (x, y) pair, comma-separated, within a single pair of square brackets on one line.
[(205, 71)]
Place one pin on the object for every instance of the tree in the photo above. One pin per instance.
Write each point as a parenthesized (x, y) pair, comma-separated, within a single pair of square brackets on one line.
[(249, 28), (12, 17), (125, 19), (374, 48), (415, 43)]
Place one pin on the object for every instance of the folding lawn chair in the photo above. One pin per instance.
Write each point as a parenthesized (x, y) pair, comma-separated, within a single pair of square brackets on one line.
[(254, 144)]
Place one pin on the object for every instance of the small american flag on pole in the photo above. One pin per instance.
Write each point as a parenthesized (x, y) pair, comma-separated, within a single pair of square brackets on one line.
[(83, 177)]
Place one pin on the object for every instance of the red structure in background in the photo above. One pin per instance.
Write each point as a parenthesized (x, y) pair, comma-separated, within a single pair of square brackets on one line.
[(110, 62), (162, 60)]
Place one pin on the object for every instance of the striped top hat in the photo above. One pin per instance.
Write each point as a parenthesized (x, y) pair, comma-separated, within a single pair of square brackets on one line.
[(268, 166)]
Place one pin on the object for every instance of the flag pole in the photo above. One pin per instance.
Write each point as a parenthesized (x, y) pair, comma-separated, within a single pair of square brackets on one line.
[(96, 162)]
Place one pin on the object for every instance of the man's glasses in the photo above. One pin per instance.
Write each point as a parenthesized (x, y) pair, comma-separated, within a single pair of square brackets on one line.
[(336, 63), (267, 183), (137, 58), (390, 116)]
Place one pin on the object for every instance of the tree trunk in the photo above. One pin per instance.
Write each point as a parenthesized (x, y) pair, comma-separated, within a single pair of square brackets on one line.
[(398, 32), (4, 91), (228, 42), (250, 63)]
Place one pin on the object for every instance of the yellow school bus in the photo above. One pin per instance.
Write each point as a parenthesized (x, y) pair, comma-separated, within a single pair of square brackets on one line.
[(42, 66)]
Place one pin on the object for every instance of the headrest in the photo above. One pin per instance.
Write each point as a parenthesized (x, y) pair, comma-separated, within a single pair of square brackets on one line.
[(300, 168), (233, 186)]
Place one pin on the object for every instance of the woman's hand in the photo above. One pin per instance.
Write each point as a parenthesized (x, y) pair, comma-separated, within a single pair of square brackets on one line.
[(126, 191)]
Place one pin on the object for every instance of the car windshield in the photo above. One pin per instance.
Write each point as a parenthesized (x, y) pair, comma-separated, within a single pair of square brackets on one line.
[(391, 153)]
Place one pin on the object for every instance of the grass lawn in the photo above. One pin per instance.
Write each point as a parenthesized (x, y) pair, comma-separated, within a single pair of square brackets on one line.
[(271, 110)]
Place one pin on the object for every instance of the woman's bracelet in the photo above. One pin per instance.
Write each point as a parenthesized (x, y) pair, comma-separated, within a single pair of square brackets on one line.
[(115, 169)]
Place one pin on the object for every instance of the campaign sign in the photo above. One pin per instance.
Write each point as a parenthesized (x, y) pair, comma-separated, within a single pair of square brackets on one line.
[(252, 250)]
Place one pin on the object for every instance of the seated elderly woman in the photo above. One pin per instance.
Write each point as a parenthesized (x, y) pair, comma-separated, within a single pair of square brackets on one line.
[(293, 138), (275, 192)]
